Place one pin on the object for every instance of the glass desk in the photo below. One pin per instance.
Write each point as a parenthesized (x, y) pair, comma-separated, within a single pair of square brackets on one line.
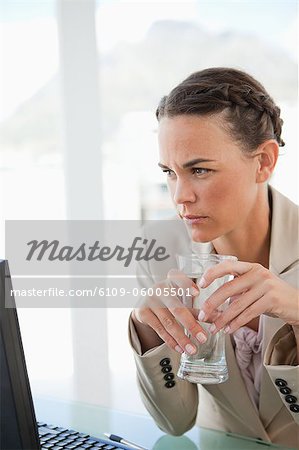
[(140, 429)]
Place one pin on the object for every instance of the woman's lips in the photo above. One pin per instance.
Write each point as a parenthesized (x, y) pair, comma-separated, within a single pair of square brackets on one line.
[(191, 219)]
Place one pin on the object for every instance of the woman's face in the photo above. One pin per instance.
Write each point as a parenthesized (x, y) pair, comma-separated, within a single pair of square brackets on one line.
[(212, 183)]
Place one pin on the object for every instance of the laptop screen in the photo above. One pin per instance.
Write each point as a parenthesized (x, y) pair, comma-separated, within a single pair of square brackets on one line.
[(18, 424)]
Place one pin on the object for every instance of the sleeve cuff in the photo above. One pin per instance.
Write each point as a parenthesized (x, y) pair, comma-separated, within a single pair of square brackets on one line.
[(136, 345)]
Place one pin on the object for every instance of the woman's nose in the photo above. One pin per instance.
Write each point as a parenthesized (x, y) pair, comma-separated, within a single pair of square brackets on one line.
[(183, 193)]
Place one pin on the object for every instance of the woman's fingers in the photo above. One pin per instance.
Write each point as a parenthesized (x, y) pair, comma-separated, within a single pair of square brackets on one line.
[(241, 311), (235, 268), (167, 328), (232, 289), (182, 315), (147, 316), (170, 327), (172, 317), (169, 309), (213, 316)]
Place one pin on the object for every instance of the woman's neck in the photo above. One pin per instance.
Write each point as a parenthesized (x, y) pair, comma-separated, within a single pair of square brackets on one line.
[(250, 242)]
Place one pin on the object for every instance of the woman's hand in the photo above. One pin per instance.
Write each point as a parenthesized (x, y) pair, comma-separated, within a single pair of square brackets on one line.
[(168, 316), (253, 291)]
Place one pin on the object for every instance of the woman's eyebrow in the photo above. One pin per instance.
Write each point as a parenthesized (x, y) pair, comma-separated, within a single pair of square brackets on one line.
[(196, 161), (189, 163), (162, 166)]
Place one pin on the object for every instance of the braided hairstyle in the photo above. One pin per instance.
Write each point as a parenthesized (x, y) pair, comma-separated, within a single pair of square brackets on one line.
[(250, 114)]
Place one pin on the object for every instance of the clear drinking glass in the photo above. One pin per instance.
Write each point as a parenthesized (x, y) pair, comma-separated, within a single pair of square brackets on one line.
[(208, 364)]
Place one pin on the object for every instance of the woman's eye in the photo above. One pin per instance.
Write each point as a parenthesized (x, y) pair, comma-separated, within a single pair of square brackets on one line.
[(168, 172), (200, 171), (195, 170)]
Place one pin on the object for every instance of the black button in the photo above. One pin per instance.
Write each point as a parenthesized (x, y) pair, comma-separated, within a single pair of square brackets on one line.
[(169, 376), (166, 369), (294, 408), (280, 382), (290, 399), (164, 362), (170, 384), (285, 390)]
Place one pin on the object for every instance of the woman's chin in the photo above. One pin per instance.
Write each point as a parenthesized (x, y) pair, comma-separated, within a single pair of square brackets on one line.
[(203, 236)]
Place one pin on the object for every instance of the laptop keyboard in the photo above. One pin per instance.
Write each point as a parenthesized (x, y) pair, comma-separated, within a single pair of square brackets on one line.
[(58, 438)]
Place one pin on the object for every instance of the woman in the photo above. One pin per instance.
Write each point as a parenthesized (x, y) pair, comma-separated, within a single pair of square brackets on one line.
[(219, 138)]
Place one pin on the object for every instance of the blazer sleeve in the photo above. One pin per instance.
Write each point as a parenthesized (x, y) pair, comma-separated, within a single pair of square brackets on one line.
[(280, 361), (171, 402)]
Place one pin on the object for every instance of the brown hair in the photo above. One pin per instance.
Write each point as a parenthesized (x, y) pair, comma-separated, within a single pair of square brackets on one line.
[(250, 114)]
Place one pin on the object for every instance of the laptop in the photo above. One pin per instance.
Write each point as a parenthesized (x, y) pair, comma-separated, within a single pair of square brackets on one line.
[(19, 428)]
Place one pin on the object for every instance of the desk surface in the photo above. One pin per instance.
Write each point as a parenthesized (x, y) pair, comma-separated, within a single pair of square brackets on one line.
[(95, 420)]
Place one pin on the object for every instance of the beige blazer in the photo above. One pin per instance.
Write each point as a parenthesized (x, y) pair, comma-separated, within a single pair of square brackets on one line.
[(176, 405)]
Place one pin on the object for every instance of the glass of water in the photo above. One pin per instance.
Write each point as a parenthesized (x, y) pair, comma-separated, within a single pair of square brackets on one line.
[(208, 364)]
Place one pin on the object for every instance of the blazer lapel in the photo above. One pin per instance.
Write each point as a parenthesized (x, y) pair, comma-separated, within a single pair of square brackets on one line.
[(283, 254), (235, 393)]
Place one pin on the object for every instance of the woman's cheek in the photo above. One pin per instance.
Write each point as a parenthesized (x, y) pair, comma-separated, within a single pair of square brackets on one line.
[(219, 193)]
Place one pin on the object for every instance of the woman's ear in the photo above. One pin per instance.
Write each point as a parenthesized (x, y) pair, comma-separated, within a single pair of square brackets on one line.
[(267, 154)]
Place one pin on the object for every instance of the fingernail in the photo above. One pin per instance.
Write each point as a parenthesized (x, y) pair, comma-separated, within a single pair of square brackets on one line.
[(194, 291), (201, 337), (226, 329), (201, 316), (212, 328), (202, 282), (190, 349), (178, 349)]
